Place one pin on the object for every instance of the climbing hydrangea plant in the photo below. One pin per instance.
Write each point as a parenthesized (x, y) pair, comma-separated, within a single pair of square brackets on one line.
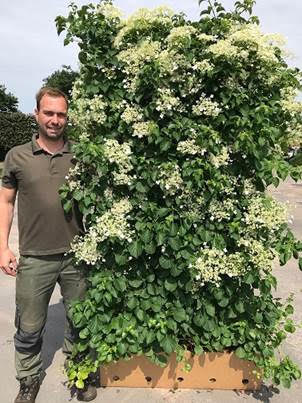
[(181, 127)]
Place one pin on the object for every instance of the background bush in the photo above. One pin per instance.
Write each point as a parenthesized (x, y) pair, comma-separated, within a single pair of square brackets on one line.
[(15, 128)]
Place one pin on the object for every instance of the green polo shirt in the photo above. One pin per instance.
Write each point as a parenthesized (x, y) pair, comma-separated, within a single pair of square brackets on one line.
[(44, 228)]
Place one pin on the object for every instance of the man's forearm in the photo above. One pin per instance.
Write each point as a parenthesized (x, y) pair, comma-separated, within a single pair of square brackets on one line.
[(6, 218)]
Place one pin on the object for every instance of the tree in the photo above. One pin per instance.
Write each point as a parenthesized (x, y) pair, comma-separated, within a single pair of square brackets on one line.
[(8, 102), (62, 79)]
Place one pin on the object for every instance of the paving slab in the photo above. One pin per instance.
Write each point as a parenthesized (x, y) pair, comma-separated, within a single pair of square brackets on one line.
[(53, 389)]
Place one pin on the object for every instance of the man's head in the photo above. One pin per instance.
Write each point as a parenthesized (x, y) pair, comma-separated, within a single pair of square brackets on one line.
[(51, 113)]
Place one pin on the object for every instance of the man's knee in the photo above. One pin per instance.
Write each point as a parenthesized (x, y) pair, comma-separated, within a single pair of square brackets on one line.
[(28, 342)]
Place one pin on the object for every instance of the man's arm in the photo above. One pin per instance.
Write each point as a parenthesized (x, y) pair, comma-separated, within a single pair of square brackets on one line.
[(8, 262)]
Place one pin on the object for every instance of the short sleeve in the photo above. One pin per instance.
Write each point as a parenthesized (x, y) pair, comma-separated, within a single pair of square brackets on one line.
[(8, 177)]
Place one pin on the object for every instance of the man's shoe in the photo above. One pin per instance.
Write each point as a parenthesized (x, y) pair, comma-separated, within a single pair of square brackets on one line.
[(28, 391), (87, 394)]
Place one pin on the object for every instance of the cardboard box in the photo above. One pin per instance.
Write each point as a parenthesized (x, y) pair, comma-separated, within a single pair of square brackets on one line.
[(209, 371)]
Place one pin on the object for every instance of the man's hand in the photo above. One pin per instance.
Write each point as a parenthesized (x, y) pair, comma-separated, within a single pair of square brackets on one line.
[(8, 262)]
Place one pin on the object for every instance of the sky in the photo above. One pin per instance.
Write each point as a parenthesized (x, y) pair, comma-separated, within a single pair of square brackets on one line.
[(31, 50)]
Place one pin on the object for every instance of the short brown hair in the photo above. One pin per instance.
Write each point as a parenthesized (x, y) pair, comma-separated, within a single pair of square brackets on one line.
[(52, 92)]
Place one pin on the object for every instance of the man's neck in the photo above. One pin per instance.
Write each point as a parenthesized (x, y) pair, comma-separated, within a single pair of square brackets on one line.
[(50, 146)]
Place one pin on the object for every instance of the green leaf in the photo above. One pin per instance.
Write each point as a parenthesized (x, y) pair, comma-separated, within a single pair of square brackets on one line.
[(79, 384), (170, 284), (179, 315), (135, 249), (150, 248), (140, 314), (120, 284), (223, 302), (239, 307), (141, 188), (168, 344), (175, 243), (135, 283), (132, 303), (120, 259), (198, 350), (165, 263), (121, 348), (240, 352), (300, 263), (210, 309)]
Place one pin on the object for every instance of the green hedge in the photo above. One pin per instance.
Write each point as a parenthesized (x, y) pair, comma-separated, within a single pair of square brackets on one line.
[(15, 128)]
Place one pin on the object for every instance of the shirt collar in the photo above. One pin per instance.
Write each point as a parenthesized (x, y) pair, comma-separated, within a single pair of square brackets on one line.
[(37, 149)]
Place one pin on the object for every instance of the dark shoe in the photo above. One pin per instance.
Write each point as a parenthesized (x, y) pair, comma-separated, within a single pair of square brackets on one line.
[(28, 391), (87, 394)]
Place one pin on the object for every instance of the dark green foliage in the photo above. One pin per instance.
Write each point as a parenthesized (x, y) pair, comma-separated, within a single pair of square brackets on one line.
[(62, 79), (15, 128), (8, 102)]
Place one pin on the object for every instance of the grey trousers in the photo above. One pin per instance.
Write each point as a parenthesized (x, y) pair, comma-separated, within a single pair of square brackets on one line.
[(35, 282)]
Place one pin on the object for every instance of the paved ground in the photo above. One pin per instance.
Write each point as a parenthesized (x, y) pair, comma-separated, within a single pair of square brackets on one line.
[(53, 389)]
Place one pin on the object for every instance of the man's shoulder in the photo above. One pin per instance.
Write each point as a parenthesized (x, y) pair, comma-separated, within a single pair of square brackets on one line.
[(20, 149)]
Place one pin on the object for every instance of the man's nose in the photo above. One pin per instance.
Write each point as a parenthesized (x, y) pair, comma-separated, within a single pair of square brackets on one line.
[(55, 119)]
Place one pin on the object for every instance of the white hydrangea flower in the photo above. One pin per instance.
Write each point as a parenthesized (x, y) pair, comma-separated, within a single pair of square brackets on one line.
[(143, 129), (265, 212), (213, 263), (179, 35), (132, 114), (222, 210), (112, 224), (170, 179), (206, 106), (144, 19), (109, 11), (260, 256), (190, 147), (120, 154), (85, 111), (221, 159), (167, 102)]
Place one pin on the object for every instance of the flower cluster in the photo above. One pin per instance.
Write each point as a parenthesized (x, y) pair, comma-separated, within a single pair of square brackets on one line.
[(180, 36), (143, 20), (206, 107), (167, 102), (265, 212), (109, 11), (259, 256), (202, 66), (86, 111), (224, 48), (132, 114), (213, 263), (170, 179), (263, 44), (289, 102), (190, 147), (120, 154), (112, 224), (221, 210), (221, 159), (73, 177), (142, 129)]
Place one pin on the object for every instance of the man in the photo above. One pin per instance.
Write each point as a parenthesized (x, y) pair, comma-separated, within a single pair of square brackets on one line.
[(36, 171)]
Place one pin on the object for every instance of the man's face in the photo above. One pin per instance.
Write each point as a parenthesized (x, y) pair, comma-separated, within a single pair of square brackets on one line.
[(51, 117)]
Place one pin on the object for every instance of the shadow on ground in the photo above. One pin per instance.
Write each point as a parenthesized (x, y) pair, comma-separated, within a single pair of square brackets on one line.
[(54, 334)]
